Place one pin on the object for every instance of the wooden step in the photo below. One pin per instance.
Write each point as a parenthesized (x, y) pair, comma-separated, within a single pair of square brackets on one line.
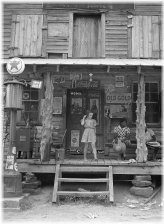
[(81, 169), (88, 169), (79, 193), (98, 180)]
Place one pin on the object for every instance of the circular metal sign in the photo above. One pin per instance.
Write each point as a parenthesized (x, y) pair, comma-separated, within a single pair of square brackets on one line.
[(15, 66)]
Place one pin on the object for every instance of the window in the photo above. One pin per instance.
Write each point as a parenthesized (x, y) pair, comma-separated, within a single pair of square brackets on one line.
[(152, 102), (31, 106)]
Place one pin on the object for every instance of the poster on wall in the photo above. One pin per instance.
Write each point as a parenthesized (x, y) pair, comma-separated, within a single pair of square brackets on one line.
[(75, 136), (76, 106), (57, 107), (94, 107), (116, 110), (119, 81)]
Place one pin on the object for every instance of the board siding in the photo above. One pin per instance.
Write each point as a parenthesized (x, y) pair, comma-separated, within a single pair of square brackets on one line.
[(116, 35)]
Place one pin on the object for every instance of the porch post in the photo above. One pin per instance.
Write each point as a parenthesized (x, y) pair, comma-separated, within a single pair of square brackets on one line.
[(141, 151), (47, 110)]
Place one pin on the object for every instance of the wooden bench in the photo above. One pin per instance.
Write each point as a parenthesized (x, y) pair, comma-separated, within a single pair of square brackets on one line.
[(131, 150)]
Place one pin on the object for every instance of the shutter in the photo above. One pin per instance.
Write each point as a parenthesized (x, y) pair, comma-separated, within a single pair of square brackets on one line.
[(145, 37), (155, 37), (27, 35)]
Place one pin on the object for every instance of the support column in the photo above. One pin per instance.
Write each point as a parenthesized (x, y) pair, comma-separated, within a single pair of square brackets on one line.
[(141, 151), (47, 110)]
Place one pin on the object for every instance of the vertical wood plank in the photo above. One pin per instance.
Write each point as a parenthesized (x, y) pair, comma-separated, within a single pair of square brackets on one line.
[(21, 35), (12, 43), (44, 33), (39, 35), (17, 28), (145, 35), (102, 34), (141, 37), (54, 195), (149, 37), (33, 36), (160, 35), (130, 37), (155, 37), (70, 34), (111, 196)]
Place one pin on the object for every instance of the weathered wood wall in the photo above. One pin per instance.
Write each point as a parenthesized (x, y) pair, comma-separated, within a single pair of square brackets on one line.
[(15, 9), (56, 31), (116, 35)]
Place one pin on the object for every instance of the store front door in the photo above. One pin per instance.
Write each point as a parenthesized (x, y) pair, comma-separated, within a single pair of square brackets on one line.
[(78, 102)]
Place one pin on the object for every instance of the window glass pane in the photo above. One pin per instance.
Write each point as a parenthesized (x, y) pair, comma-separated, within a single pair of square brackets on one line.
[(34, 106), (153, 97), (147, 98), (34, 95), (147, 87), (153, 87), (34, 116), (134, 96), (134, 112), (135, 87), (27, 106)]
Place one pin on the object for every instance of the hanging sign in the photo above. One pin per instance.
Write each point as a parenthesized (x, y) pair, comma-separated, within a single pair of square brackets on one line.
[(75, 135), (57, 106), (119, 81), (87, 84), (118, 98), (36, 84), (15, 66)]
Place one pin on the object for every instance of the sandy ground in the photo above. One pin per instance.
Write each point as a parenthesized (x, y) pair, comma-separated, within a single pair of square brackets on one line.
[(127, 208)]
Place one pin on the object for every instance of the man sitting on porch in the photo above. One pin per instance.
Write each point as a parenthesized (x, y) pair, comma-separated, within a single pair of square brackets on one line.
[(121, 138)]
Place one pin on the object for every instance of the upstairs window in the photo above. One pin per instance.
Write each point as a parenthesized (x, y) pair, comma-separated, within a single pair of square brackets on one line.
[(152, 102)]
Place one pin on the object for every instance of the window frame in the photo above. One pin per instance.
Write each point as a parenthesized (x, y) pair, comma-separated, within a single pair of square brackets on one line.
[(21, 121), (154, 124)]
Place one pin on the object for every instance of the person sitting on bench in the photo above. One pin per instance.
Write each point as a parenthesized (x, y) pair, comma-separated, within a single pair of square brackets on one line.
[(151, 142)]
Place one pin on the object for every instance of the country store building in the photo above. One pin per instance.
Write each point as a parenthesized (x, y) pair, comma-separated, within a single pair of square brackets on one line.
[(85, 56)]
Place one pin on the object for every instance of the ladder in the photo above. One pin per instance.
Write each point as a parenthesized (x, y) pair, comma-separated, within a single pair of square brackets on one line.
[(60, 168)]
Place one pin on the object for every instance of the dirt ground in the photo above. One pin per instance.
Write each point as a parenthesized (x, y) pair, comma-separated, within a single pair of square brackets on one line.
[(127, 208)]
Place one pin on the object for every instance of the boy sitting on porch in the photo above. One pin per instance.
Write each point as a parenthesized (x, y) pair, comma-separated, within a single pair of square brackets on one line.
[(151, 142), (121, 138)]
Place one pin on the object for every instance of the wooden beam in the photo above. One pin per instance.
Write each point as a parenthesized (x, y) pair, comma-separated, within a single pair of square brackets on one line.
[(139, 69), (57, 68), (70, 34), (108, 68), (96, 61)]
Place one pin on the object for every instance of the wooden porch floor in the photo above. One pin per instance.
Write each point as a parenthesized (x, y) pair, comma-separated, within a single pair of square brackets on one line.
[(119, 167)]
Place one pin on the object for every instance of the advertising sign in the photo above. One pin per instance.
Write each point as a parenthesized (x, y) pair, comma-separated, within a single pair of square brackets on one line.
[(75, 136), (121, 98)]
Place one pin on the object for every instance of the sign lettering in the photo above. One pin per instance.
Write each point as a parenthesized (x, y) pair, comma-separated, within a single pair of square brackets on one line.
[(118, 98)]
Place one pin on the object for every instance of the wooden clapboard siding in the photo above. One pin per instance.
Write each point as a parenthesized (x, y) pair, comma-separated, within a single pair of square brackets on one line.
[(145, 37), (148, 9), (116, 44), (58, 31), (7, 17)]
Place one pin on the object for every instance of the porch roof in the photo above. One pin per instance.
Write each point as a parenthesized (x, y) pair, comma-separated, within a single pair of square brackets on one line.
[(91, 61)]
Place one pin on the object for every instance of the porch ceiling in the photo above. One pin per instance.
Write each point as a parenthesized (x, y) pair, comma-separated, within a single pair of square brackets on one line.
[(100, 61)]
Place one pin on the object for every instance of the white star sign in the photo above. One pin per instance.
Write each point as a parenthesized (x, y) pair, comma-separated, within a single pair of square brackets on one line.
[(15, 66)]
